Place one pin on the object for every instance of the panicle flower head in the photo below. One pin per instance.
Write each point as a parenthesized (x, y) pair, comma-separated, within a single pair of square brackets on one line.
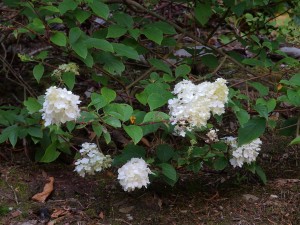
[(60, 106), (194, 104), (63, 68), (91, 160), (244, 154), (134, 174)]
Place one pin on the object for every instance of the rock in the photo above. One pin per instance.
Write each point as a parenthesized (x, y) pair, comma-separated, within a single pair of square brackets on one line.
[(250, 198), (273, 196)]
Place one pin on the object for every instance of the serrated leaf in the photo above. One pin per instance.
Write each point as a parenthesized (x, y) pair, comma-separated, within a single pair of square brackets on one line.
[(108, 94), (119, 110), (169, 171), (112, 121), (155, 100), (123, 19), (182, 70), (100, 9), (35, 132), (59, 38), (74, 34), (164, 152), (99, 44), (261, 174), (153, 34), (124, 50), (155, 116), (160, 65), (69, 79), (262, 89), (129, 152), (98, 101), (251, 130), (32, 105), (203, 12), (67, 5), (115, 31), (51, 154), (135, 132), (81, 15), (220, 163), (80, 49)]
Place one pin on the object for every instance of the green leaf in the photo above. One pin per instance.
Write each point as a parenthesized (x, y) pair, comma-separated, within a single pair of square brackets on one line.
[(293, 97), (220, 163), (155, 116), (169, 171), (262, 110), (107, 137), (98, 101), (123, 19), (182, 70), (153, 34), (59, 38), (51, 154), (203, 12), (99, 44), (38, 72), (115, 31), (142, 97), (32, 105), (81, 15), (262, 89), (166, 28), (119, 110), (164, 152), (135, 132), (261, 174), (124, 50), (112, 121), (160, 65), (35, 132), (155, 100), (108, 94), (74, 34), (130, 151), (210, 60), (69, 79), (100, 9), (295, 79), (295, 141), (251, 130), (243, 116), (67, 5), (112, 64), (97, 128), (80, 49)]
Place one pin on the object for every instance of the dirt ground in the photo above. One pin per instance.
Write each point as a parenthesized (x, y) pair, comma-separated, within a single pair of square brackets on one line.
[(205, 198)]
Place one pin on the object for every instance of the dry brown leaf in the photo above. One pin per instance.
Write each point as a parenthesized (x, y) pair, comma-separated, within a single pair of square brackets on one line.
[(48, 188), (145, 142), (101, 215), (59, 212)]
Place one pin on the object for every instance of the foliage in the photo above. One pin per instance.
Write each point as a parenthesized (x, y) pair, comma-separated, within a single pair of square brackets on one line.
[(111, 41)]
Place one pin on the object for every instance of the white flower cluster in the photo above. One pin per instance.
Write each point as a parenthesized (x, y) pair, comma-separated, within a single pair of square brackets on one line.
[(91, 160), (70, 67), (195, 103), (244, 154), (212, 135), (134, 174), (60, 106)]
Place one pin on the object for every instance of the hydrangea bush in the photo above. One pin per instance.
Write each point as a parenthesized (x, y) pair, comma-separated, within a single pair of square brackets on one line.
[(169, 101)]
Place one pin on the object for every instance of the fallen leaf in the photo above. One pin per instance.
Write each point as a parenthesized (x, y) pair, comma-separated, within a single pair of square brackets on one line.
[(126, 209), (145, 142), (48, 188), (58, 212), (101, 215)]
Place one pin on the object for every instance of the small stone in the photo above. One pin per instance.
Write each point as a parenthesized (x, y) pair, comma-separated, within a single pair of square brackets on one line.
[(273, 196), (250, 198)]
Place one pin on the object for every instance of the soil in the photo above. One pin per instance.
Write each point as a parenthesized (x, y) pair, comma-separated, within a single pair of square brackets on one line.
[(229, 197)]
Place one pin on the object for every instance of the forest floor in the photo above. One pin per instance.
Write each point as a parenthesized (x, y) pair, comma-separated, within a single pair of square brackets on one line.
[(204, 198)]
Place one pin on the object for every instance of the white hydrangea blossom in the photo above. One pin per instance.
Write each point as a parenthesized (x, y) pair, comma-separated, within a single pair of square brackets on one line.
[(195, 104), (212, 135), (91, 160), (134, 174), (60, 106), (70, 67), (244, 154)]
